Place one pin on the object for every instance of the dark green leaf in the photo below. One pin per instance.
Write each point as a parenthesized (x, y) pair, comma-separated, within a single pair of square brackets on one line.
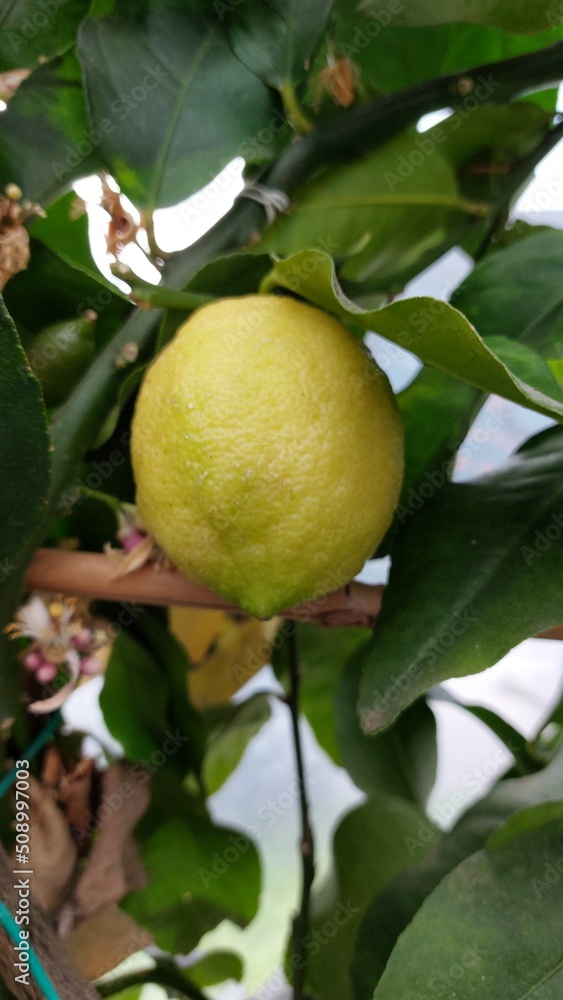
[(231, 730), (25, 458), (174, 104), (392, 57), (513, 15), (518, 293), (276, 38), (490, 929), (30, 30), (370, 847), (47, 138), (458, 601), (394, 908), (134, 699), (400, 762), (437, 333)]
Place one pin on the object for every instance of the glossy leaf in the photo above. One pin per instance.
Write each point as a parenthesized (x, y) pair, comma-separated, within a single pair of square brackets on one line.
[(25, 450), (30, 31), (276, 38), (215, 967), (231, 730), (48, 113), (400, 762), (369, 848), (394, 908), (376, 215), (517, 293), (437, 333), (458, 601), (490, 927), (176, 103), (512, 15)]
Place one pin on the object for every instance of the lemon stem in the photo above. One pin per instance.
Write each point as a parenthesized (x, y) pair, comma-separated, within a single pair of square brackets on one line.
[(295, 114), (307, 847)]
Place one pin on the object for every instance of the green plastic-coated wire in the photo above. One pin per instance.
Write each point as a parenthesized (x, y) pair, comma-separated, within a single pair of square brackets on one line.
[(33, 749), (35, 966), (6, 919)]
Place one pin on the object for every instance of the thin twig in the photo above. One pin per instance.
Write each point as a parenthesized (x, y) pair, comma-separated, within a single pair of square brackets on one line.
[(163, 974), (301, 921)]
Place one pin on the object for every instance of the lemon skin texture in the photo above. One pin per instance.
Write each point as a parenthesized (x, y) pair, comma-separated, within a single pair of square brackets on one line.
[(267, 451)]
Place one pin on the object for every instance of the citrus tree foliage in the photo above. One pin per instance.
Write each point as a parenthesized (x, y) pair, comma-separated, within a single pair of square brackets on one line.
[(345, 202)]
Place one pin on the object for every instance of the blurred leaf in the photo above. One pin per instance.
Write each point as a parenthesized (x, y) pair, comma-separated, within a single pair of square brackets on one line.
[(458, 601), (513, 15), (25, 449), (134, 679), (234, 274), (495, 917), (526, 363), (231, 730), (391, 56), (402, 761), (393, 909), (24, 38), (369, 848), (47, 138), (199, 874), (437, 333), (215, 967), (226, 651), (323, 653), (182, 714), (518, 293), (377, 214), (198, 104), (103, 940), (52, 289), (274, 38)]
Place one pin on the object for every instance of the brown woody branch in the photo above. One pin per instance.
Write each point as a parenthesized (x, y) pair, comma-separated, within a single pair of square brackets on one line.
[(90, 574)]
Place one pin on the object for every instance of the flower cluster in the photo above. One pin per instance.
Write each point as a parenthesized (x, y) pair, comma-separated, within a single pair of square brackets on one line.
[(64, 638)]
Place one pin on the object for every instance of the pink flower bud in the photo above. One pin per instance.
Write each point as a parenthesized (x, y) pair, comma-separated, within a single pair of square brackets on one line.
[(32, 660), (46, 672), (90, 666), (82, 639)]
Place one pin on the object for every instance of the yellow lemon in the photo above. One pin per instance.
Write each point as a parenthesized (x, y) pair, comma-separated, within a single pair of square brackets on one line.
[(267, 451)]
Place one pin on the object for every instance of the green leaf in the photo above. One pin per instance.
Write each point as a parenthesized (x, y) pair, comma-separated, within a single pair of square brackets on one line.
[(231, 730), (23, 35), (391, 56), (377, 215), (323, 653), (176, 103), (437, 412), (198, 874), (394, 908), (276, 38), (369, 849), (25, 449), (135, 680), (517, 293), (512, 15), (400, 762), (214, 968), (490, 929), (47, 138), (437, 333), (183, 717), (458, 601)]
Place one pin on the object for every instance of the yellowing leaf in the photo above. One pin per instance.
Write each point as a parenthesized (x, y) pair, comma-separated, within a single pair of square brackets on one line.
[(226, 652)]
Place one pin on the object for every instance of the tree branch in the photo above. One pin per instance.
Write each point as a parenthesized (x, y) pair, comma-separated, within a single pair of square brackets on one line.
[(301, 922)]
